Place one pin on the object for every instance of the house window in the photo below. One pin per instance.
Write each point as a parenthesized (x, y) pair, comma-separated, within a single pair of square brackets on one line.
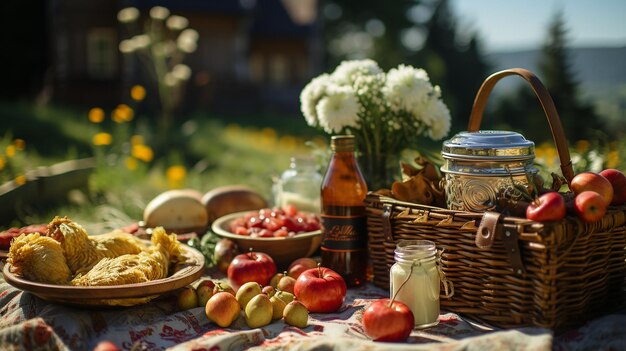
[(101, 53), (278, 70), (257, 69)]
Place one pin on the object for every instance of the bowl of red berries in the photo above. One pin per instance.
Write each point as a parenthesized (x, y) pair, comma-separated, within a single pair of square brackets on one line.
[(283, 233)]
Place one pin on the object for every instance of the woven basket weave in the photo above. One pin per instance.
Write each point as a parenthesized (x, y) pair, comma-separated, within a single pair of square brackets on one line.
[(555, 275)]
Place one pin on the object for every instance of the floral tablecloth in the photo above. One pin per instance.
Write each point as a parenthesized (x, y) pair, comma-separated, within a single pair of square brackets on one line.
[(29, 323)]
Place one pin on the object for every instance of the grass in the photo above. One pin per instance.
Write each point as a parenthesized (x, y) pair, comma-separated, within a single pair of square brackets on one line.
[(212, 151)]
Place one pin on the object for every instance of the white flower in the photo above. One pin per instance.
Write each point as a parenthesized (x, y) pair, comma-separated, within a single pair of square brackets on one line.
[(390, 109), (338, 109), (177, 22), (187, 40), (347, 71), (310, 96), (159, 13), (128, 15), (127, 46), (407, 88), (181, 72), (436, 116), (141, 41), (170, 80)]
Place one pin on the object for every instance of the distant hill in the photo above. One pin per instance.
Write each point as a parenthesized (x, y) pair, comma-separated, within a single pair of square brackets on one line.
[(601, 73), (595, 68)]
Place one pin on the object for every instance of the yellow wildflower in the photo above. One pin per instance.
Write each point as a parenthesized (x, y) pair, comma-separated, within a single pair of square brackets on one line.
[(136, 140), (20, 179), (96, 115), (102, 139), (10, 151), (582, 146), (288, 142), (3, 163), (612, 159), (131, 163), (176, 175), (19, 144), (122, 113), (142, 152), (138, 93)]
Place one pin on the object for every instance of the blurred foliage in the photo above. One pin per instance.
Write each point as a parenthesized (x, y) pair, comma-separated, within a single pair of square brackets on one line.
[(421, 33)]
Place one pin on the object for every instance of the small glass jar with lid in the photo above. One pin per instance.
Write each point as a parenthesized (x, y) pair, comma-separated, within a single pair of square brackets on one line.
[(300, 185), (414, 280)]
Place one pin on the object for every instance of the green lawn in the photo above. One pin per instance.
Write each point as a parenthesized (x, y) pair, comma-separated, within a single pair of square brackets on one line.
[(213, 151)]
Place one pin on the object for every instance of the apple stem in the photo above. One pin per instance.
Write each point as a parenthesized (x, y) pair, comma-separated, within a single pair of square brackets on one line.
[(319, 270), (408, 276), (251, 254)]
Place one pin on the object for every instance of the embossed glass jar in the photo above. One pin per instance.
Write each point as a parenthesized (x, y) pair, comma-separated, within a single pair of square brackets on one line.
[(481, 168)]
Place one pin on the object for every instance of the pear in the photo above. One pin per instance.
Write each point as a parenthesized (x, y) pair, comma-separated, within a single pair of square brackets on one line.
[(269, 290), (258, 311), (246, 292), (287, 297), (187, 298), (222, 309), (276, 278), (296, 314), (222, 286), (278, 306), (286, 283), (204, 291)]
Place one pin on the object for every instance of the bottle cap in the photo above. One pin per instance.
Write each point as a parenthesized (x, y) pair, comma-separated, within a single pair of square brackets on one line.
[(342, 143)]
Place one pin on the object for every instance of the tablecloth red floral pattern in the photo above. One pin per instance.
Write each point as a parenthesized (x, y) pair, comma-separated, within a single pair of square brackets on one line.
[(29, 323)]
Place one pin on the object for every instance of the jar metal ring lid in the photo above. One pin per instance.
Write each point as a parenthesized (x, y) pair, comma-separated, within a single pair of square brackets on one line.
[(488, 145)]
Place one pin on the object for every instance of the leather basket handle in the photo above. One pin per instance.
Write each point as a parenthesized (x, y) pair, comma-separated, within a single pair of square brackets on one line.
[(480, 102)]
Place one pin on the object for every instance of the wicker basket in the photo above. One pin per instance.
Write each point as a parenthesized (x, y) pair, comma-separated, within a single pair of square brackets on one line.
[(555, 275)]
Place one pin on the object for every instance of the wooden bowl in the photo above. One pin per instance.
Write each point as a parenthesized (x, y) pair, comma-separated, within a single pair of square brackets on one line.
[(283, 250), (113, 295)]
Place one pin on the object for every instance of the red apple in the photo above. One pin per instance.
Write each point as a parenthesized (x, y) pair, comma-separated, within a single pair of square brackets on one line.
[(384, 320), (300, 265), (589, 181), (590, 206), (547, 207), (320, 289), (618, 181), (251, 267)]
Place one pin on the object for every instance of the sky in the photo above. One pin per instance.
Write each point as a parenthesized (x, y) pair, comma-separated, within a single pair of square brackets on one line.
[(506, 25)]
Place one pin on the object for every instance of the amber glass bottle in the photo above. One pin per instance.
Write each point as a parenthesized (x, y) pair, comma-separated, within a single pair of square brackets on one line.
[(344, 222)]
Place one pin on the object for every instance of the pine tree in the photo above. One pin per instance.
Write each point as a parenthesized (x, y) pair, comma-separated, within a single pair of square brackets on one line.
[(522, 112), (578, 117)]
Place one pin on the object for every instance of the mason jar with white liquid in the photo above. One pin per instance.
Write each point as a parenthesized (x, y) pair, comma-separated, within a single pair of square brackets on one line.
[(414, 280)]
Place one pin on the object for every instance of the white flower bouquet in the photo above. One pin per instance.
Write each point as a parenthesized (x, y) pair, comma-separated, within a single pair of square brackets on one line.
[(386, 112)]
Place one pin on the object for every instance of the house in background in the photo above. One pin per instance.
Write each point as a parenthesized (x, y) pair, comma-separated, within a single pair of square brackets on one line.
[(251, 55)]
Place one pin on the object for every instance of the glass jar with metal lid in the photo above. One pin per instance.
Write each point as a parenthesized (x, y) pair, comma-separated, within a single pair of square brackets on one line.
[(484, 166)]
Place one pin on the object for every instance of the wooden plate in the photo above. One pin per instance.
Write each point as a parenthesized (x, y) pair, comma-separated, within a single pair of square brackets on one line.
[(113, 295)]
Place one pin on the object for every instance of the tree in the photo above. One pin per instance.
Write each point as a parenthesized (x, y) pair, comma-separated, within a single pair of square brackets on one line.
[(420, 33), (459, 68), (521, 110), (578, 117)]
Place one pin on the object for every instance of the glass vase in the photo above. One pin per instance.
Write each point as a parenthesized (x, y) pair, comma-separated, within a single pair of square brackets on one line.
[(379, 170)]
